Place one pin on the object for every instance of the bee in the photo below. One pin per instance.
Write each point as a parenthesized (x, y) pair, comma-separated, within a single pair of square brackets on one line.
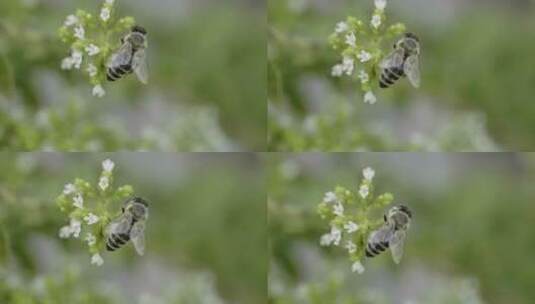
[(392, 234), (130, 225), (403, 61), (130, 57)]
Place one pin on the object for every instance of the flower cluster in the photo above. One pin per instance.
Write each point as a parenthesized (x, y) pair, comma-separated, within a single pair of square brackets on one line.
[(92, 39), (89, 209), (361, 47), (348, 213)]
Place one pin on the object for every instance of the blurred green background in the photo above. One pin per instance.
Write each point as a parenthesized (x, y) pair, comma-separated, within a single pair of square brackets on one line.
[(477, 79), (471, 240), (207, 87), (206, 234)]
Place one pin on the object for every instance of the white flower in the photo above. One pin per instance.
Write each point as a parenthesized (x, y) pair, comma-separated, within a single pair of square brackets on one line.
[(108, 165), (103, 183), (92, 49), (370, 98), (357, 267), (92, 70), (65, 232), (337, 70), (351, 247), (68, 189), (75, 60), (332, 237), (376, 21), (79, 32), (96, 259), (341, 27), (338, 209), (105, 14), (348, 64), (90, 239), (380, 4), (351, 227), (75, 227), (368, 173), (98, 91), (71, 20), (364, 191), (78, 201), (67, 63), (363, 76), (351, 39), (364, 56), (91, 219), (330, 197)]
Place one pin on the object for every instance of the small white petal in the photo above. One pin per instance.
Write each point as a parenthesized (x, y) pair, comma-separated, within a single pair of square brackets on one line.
[(65, 232), (78, 201), (363, 76), (336, 235), (368, 173), (338, 209), (351, 247), (351, 227), (76, 227), (337, 70), (92, 50), (92, 70), (79, 32), (364, 56), (71, 20), (348, 64), (341, 27), (98, 91), (91, 219), (376, 21), (326, 239), (96, 259), (105, 14), (68, 189), (330, 197), (67, 63), (103, 183), (370, 98), (357, 267), (76, 57), (351, 39), (90, 239), (380, 4), (364, 191), (108, 165)]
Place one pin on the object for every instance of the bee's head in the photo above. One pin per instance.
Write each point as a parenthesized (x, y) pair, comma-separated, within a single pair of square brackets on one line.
[(137, 36), (137, 206), (139, 29)]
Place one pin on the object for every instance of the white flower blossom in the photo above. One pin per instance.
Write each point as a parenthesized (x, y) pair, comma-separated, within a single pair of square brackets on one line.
[(103, 183), (75, 60), (351, 39), (348, 64), (78, 201), (364, 56), (98, 91), (330, 197), (364, 191), (90, 239), (338, 209), (337, 70), (92, 50), (69, 188), (341, 27), (351, 247), (65, 232), (380, 4), (96, 259), (75, 227), (376, 21), (71, 20), (91, 219), (333, 237), (79, 32), (105, 14), (363, 76), (370, 98), (66, 63), (108, 165), (92, 70), (357, 267), (368, 173), (351, 227)]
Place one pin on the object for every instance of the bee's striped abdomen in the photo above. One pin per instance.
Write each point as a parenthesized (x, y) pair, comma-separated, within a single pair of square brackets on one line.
[(118, 72), (389, 76), (373, 249), (116, 241)]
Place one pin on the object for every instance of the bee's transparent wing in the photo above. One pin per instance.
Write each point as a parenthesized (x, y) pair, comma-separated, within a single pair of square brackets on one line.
[(123, 56), (396, 243), (137, 235), (394, 59), (139, 63), (412, 70), (120, 225)]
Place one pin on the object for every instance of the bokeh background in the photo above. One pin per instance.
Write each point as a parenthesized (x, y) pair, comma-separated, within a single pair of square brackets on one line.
[(477, 79), (471, 240), (207, 87), (205, 238)]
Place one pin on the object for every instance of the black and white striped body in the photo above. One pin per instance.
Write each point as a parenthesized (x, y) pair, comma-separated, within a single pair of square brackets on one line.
[(389, 76), (403, 61), (126, 59), (119, 72), (128, 226), (397, 221), (117, 240)]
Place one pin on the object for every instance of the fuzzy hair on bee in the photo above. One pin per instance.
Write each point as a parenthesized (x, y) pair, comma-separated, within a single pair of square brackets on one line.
[(129, 226), (130, 57), (403, 61), (392, 234)]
